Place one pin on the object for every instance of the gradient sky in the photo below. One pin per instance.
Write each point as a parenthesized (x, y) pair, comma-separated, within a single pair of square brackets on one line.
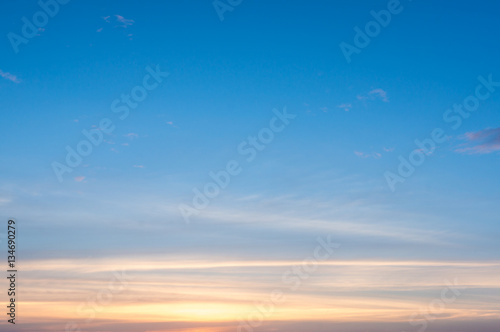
[(322, 176)]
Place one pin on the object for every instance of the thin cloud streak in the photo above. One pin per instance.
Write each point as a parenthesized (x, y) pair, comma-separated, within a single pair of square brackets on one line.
[(171, 263), (9, 76), (380, 93), (481, 142), (124, 22)]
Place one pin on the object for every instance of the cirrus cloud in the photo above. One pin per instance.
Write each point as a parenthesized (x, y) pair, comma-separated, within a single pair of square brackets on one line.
[(9, 76), (481, 142)]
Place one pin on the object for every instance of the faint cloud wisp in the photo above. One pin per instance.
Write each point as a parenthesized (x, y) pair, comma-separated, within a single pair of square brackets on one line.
[(481, 142), (9, 76)]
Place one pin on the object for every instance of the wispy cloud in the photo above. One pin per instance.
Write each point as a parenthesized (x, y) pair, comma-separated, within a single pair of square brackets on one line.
[(375, 155), (124, 22), (346, 107), (171, 123), (79, 178), (361, 289), (131, 135), (380, 93), (4, 200), (374, 94), (9, 76), (482, 141)]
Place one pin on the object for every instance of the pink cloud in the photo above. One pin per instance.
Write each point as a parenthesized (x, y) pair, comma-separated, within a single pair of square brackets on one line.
[(426, 152), (79, 178), (481, 142), (9, 76)]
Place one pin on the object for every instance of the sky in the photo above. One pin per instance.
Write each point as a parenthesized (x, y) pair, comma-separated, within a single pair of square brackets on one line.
[(216, 166)]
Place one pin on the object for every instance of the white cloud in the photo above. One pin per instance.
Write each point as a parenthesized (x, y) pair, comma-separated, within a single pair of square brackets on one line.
[(124, 22), (380, 93), (9, 76), (346, 107)]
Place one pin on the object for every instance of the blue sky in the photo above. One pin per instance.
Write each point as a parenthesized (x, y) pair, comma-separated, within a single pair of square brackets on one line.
[(323, 174)]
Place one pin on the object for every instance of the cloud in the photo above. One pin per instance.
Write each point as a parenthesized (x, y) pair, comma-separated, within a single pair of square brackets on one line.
[(359, 154), (138, 166), (427, 152), (380, 93), (482, 141), (124, 22), (171, 123), (375, 155), (359, 287), (388, 149), (131, 135), (79, 178), (346, 107), (373, 94), (9, 76), (5, 201)]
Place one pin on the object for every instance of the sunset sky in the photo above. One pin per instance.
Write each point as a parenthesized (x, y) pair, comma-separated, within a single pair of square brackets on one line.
[(201, 166)]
